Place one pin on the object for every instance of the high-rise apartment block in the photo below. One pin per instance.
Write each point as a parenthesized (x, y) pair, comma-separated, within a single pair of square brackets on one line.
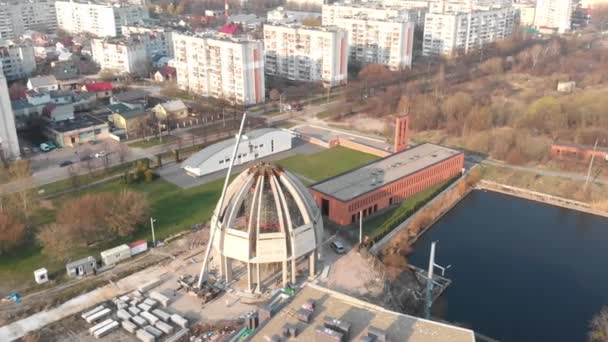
[(19, 16), (9, 144), (127, 55), (308, 54), (376, 34), (459, 28), (158, 40), (220, 66), (97, 18), (17, 58), (553, 15)]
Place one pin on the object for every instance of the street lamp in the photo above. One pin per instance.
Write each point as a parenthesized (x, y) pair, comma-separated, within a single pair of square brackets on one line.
[(152, 220)]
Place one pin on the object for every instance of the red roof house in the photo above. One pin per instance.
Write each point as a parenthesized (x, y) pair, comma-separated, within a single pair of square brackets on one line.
[(101, 89), (230, 29), (166, 73)]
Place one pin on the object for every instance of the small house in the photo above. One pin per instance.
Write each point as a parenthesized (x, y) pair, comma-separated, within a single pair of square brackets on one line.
[(164, 74), (175, 109), (115, 255), (41, 275), (43, 83), (566, 87), (126, 117), (56, 112), (82, 267), (101, 89)]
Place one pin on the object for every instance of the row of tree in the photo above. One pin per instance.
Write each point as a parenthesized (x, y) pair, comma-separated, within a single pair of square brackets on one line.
[(93, 218)]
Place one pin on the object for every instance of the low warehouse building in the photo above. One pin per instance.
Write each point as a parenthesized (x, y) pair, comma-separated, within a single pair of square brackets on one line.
[(385, 182), (253, 145)]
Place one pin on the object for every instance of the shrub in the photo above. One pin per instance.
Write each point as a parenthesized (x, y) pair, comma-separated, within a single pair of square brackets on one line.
[(149, 176)]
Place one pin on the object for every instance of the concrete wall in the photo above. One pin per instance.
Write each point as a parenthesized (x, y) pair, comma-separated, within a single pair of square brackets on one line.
[(344, 213)]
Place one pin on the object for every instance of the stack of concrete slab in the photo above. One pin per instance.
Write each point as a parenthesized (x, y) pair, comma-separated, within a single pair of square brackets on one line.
[(179, 320), (100, 325), (145, 336), (123, 314), (149, 317), (134, 311), (149, 285), (144, 307), (106, 329), (165, 317), (150, 302), (139, 321), (98, 315), (93, 311), (164, 327), (164, 300), (152, 330), (129, 326)]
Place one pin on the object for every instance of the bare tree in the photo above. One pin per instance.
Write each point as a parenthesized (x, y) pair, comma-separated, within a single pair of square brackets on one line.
[(73, 177), (56, 241), (122, 151), (12, 231), (26, 199), (599, 327)]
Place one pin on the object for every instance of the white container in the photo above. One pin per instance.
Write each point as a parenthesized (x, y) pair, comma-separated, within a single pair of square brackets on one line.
[(115, 255), (138, 247), (149, 317), (41, 275), (98, 315)]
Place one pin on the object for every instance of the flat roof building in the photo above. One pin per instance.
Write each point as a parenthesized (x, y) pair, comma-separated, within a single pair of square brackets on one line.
[(387, 181), (309, 54), (361, 317)]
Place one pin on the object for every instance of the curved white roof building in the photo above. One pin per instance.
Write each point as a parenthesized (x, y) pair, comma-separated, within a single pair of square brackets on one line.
[(268, 223), (254, 145)]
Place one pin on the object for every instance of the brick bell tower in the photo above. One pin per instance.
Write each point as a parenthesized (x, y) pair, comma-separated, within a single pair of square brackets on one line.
[(402, 123)]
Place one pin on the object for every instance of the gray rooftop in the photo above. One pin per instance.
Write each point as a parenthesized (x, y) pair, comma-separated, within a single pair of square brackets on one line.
[(199, 157), (374, 175), (40, 81)]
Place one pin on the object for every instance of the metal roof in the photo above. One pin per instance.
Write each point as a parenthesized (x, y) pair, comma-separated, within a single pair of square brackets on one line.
[(354, 183), (41, 81), (199, 157)]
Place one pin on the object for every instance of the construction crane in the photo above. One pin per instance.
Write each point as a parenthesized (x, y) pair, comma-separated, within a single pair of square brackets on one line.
[(203, 275)]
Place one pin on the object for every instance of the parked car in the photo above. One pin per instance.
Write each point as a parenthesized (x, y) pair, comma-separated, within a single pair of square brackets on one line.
[(100, 154), (338, 247), (85, 157), (66, 163), (46, 147), (296, 107)]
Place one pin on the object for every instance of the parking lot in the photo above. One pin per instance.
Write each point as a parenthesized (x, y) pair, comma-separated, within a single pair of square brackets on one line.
[(44, 160)]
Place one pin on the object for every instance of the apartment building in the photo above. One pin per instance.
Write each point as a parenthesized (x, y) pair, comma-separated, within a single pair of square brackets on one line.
[(220, 66), (126, 55), (455, 31), (9, 143), (376, 33), (158, 39), (17, 58), (525, 13), (97, 18), (553, 15), (309, 54), (373, 11), (19, 16)]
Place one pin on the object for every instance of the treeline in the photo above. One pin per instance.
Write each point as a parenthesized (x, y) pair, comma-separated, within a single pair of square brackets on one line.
[(476, 102)]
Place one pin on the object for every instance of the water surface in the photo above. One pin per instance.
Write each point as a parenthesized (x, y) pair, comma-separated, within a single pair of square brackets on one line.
[(522, 270)]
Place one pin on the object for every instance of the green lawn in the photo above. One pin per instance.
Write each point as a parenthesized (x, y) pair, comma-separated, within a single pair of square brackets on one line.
[(145, 143), (174, 209), (327, 163)]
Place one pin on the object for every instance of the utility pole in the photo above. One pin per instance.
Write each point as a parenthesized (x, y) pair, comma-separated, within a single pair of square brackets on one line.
[(152, 220), (590, 165), (429, 284), (160, 132), (360, 227)]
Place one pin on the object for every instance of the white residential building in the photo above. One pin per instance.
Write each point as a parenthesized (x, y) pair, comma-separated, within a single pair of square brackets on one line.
[(158, 39), (224, 67), (121, 55), (376, 33), (19, 16), (452, 32), (281, 16), (373, 11), (526, 13), (308, 54), (553, 15), (96, 18), (17, 58), (9, 142)]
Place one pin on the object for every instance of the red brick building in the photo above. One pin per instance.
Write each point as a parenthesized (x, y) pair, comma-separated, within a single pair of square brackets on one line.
[(385, 182), (575, 151)]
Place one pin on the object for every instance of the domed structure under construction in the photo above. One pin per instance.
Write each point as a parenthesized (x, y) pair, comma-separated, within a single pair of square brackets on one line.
[(269, 218)]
